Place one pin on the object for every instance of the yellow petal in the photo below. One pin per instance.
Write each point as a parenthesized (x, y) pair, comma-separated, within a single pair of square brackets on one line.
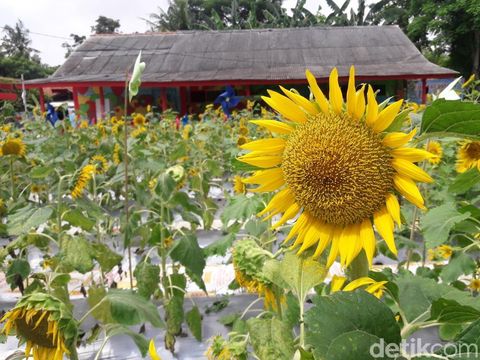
[(272, 184), (360, 105), (290, 213), (311, 237), (298, 226), (317, 93), (409, 190), (285, 107), (153, 351), (368, 237), (355, 284), (334, 248), (262, 161), (263, 176), (273, 145), (397, 139), (280, 201), (384, 225), (411, 154), (350, 244), (393, 208), (409, 169), (325, 236), (337, 283), (386, 116), (274, 126), (305, 104), (335, 92), (372, 107), (351, 93)]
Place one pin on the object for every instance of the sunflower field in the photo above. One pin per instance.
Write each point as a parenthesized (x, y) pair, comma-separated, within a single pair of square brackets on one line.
[(353, 226)]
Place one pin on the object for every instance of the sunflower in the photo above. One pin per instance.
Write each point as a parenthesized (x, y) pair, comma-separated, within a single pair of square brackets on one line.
[(152, 351), (83, 124), (84, 177), (238, 185), (3, 207), (139, 120), (100, 164), (434, 148), (187, 129), (13, 146), (46, 325), (243, 130), (242, 140), (468, 156), (138, 131), (36, 189), (337, 167), (474, 285), (116, 154)]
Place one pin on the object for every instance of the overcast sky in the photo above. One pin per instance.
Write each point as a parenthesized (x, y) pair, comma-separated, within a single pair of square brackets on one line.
[(57, 19)]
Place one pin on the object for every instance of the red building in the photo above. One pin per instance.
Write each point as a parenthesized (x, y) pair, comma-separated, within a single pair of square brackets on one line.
[(186, 70)]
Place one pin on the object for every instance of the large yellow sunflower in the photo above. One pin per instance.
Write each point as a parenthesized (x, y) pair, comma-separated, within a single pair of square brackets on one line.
[(336, 166), (13, 146), (44, 323), (435, 148), (468, 156)]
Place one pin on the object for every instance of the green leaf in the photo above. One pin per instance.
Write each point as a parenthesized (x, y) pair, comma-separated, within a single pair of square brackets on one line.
[(450, 311), (128, 308), (77, 253), (102, 308), (188, 253), (271, 339), (117, 329), (459, 264), (295, 273), (40, 172), (438, 222), (345, 325), (26, 219), (241, 207), (18, 270), (465, 181), (148, 278), (451, 118), (229, 319), (105, 256), (239, 166), (448, 332), (76, 218), (174, 315), (165, 186), (221, 246), (194, 322)]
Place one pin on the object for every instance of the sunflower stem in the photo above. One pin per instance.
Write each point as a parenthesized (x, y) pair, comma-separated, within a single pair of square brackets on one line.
[(125, 162), (358, 267), (12, 180)]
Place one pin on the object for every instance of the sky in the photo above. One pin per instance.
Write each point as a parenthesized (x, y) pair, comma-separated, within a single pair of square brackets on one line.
[(52, 21)]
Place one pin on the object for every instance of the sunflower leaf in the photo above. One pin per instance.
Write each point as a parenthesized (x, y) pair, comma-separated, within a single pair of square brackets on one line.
[(465, 181), (438, 222), (117, 329), (194, 322), (451, 118), (346, 325), (271, 339)]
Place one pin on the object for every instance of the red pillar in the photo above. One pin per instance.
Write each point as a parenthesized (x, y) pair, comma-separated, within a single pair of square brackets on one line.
[(247, 90), (424, 90), (183, 101), (42, 100), (76, 103), (102, 102), (163, 96)]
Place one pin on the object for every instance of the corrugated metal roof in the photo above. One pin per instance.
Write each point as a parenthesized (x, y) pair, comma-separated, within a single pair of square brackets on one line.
[(259, 54)]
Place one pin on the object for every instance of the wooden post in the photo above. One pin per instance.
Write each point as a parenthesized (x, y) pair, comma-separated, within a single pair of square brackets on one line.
[(163, 96), (102, 102), (42, 100), (424, 90)]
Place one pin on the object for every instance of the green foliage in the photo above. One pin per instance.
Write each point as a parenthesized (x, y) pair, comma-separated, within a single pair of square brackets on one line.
[(148, 278), (188, 253), (271, 339), (194, 322), (346, 324)]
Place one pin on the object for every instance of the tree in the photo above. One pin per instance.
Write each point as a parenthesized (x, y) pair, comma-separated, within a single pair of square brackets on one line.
[(77, 40), (105, 25), (16, 41)]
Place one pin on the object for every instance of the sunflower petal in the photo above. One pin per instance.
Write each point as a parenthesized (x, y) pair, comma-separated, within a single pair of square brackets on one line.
[(397, 139), (279, 202), (360, 104), (409, 169), (372, 107), (409, 190), (325, 237), (332, 255), (285, 107), (290, 213), (317, 93), (355, 284), (335, 92), (393, 208), (274, 126), (311, 237), (368, 237), (386, 116), (351, 93), (271, 145), (305, 104), (384, 225), (298, 226), (411, 154), (263, 161), (337, 283)]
